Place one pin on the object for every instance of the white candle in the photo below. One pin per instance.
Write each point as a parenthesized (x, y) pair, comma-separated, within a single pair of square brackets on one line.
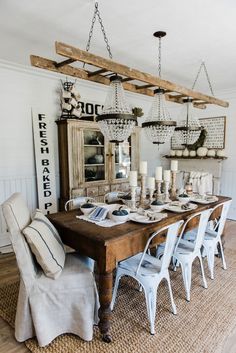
[(158, 174), (143, 167), (133, 177), (151, 183), (167, 175), (174, 166)]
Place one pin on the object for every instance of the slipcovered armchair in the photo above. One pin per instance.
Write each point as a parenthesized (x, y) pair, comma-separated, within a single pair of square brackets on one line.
[(49, 307)]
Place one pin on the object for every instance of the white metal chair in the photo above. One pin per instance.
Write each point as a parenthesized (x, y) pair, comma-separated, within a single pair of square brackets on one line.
[(149, 271), (186, 252), (213, 237), (77, 202), (49, 307)]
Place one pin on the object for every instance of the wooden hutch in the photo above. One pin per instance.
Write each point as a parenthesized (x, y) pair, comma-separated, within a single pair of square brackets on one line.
[(90, 165)]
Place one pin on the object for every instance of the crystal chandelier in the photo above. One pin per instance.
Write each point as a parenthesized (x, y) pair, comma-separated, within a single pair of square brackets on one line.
[(158, 126), (188, 131), (116, 120)]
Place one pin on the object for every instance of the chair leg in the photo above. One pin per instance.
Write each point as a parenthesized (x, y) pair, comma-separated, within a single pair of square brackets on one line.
[(175, 264), (187, 276), (203, 273), (118, 276), (174, 310), (210, 251), (151, 297), (222, 255)]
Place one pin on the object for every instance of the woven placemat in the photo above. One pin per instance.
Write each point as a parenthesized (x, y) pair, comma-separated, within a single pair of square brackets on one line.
[(201, 326)]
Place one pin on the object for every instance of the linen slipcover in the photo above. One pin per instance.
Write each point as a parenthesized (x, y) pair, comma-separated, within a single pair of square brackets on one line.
[(49, 307)]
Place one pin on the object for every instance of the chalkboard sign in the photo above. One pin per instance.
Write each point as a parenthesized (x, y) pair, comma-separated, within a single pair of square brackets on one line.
[(215, 138)]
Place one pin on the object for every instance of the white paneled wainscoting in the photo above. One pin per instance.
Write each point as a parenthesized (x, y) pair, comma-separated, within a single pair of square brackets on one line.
[(228, 188), (8, 185)]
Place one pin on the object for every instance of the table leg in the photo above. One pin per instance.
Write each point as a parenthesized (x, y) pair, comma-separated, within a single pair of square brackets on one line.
[(104, 313)]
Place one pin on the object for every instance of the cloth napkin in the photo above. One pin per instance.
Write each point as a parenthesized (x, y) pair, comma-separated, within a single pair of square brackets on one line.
[(107, 222)]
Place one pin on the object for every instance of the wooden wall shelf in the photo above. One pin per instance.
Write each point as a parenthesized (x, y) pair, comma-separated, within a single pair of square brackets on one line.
[(101, 67), (197, 157)]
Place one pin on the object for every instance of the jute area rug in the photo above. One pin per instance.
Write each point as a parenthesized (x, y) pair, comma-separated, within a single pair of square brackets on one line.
[(201, 326)]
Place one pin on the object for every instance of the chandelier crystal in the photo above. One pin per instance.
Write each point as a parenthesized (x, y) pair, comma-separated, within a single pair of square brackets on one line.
[(158, 126), (188, 131), (116, 120)]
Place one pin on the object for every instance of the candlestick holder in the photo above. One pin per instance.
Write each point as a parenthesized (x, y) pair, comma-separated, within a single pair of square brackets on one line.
[(143, 191), (166, 188), (159, 194), (151, 192), (133, 199), (173, 184)]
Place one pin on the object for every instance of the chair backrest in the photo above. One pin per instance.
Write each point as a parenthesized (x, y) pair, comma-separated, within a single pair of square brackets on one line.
[(172, 232), (223, 216), (77, 202), (17, 217), (201, 228)]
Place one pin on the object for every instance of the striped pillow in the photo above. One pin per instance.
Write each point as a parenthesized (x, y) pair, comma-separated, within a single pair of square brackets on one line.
[(46, 245)]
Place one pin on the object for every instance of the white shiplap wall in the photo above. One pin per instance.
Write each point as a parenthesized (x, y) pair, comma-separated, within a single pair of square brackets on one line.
[(10, 184)]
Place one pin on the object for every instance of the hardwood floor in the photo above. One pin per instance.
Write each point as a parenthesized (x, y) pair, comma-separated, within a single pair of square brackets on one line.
[(9, 273)]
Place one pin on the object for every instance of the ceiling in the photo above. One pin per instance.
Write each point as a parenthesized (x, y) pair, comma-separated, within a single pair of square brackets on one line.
[(196, 30)]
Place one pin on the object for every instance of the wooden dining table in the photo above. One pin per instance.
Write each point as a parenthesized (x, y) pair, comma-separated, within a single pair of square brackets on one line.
[(108, 246)]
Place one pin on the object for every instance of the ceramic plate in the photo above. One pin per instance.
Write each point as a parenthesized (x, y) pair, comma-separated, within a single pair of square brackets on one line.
[(176, 207), (204, 200), (135, 217)]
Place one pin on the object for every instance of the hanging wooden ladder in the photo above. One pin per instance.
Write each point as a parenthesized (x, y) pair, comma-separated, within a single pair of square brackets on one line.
[(173, 92)]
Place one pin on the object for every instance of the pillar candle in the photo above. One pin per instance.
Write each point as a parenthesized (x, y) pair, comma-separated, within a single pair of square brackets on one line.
[(151, 183), (174, 166), (167, 175), (143, 167), (158, 174), (133, 178)]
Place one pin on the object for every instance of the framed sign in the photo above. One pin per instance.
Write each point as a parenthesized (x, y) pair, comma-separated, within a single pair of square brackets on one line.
[(45, 164), (215, 139), (215, 128)]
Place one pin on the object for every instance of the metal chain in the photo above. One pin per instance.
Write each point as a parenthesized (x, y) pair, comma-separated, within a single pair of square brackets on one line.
[(159, 58), (97, 13), (104, 33), (203, 65), (91, 28)]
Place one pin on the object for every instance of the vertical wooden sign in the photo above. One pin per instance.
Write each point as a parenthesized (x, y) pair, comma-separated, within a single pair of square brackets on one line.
[(45, 163)]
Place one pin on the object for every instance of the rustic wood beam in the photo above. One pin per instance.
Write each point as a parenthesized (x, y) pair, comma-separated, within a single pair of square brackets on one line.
[(174, 98), (103, 63), (144, 86), (179, 99), (200, 105), (65, 62), (126, 79)]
